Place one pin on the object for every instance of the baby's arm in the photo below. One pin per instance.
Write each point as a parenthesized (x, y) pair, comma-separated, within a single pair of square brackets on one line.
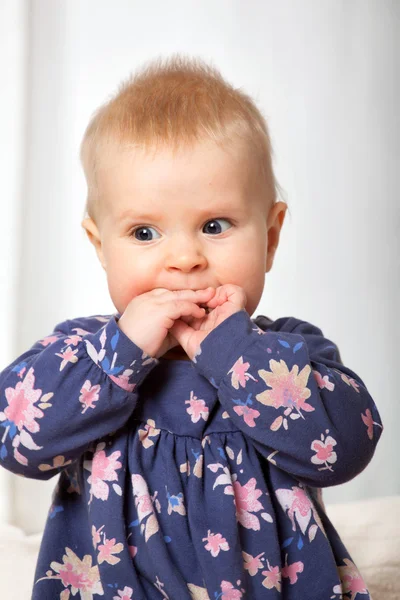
[(69, 389), (288, 391)]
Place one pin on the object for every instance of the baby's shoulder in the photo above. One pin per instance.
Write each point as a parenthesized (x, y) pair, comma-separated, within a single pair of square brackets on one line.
[(313, 335), (286, 324), (83, 325)]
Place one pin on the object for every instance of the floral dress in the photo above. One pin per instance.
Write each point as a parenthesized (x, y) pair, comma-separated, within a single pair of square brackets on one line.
[(183, 479)]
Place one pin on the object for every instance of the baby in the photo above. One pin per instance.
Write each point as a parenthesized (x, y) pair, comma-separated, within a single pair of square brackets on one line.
[(191, 440)]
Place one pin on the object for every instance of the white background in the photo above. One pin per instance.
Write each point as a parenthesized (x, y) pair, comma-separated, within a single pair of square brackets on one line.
[(325, 75)]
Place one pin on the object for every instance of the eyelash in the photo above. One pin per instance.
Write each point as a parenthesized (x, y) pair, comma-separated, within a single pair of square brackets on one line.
[(137, 227)]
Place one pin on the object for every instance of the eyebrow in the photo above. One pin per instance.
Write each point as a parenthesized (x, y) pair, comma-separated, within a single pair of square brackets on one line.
[(130, 214)]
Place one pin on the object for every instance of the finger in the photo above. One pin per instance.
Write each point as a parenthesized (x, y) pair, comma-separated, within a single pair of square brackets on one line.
[(201, 312), (207, 291), (158, 291), (219, 298), (186, 308), (188, 319), (203, 295), (181, 332), (194, 293)]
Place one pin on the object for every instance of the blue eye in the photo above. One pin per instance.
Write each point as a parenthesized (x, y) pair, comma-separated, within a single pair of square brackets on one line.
[(144, 237), (142, 233), (218, 228)]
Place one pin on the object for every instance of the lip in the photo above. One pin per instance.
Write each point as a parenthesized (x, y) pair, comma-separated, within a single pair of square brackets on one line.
[(193, 289)]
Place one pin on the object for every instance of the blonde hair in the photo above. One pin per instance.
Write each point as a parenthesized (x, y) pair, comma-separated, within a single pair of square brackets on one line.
[(174, 102)]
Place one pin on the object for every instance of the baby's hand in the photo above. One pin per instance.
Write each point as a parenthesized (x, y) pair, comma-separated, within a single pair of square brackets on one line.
[(190, 331), (149, 317)]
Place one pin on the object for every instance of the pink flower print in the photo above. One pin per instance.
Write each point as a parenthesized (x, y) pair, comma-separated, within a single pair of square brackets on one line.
[(145, 504), (143, 501), (246, 501), (96, 539), (215, 543), (123, 380), (73, 340), (351, 579), (292, 570), (17, 454), (229, 592), (272, 578), (350, 381), (79, 574), (49, 340), (107, 550), (21, 414), (369, 422), (249, 414), (89, 395), (148, 432), (103, 468), (68, 356), (325, 453), (253, 563), (240, 374), (298, 504), (289, 388), (125, 594), (198, 408), (323, 382), (149, 524), (21, 400)]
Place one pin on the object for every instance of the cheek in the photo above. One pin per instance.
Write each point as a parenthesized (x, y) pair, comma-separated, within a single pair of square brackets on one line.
[(126, 279), (245, 267), (244, 262)]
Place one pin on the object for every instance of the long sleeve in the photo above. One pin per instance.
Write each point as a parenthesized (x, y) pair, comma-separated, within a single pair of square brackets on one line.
[(69, 389), (287, 390)]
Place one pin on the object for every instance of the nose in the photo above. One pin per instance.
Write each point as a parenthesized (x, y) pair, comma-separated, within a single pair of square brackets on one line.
[(184, 254)]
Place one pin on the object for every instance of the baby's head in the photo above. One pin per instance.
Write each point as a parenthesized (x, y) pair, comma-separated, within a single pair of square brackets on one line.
[(181, 189)]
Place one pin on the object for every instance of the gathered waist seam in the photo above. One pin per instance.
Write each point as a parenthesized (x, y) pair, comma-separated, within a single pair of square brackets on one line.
[(144, 423)]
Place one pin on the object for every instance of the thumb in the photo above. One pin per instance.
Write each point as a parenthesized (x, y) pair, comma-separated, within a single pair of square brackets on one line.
[(181, 332)]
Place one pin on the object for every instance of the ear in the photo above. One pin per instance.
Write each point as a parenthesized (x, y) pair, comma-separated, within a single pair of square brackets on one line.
[(275, 220), (94, 236)]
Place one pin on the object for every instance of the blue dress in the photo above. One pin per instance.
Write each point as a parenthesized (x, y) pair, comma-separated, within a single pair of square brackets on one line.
[(183, 479)]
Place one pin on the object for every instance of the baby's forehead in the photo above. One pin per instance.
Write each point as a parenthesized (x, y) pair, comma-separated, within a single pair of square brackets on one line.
[(111, 152), (171, 166), (156, 179)]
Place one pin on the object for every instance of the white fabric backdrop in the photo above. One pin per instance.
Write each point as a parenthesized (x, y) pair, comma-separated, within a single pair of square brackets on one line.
[(326, 76)]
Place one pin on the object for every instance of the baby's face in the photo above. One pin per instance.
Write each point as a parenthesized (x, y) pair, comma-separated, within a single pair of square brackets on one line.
[(186, 221)]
